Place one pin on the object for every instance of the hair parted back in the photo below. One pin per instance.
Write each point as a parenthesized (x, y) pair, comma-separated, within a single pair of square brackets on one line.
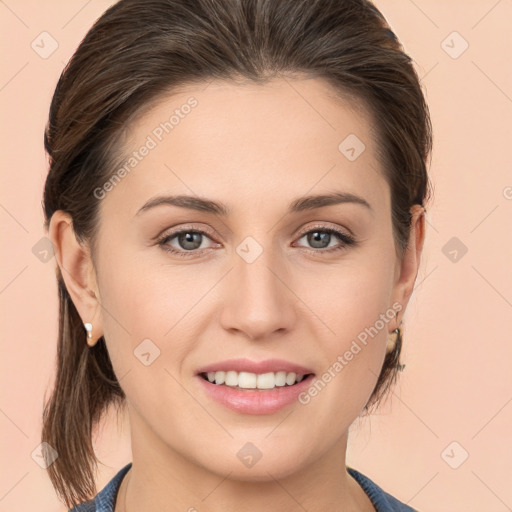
[(140, 50)]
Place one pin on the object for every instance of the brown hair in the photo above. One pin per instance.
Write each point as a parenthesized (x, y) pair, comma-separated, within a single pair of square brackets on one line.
[(138, 51)]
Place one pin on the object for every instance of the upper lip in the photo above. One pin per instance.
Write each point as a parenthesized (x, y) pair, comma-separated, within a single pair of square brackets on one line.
[(247, 365)]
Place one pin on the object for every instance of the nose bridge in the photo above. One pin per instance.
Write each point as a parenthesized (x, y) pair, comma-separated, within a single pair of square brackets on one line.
[(257, 278), (260, 301)]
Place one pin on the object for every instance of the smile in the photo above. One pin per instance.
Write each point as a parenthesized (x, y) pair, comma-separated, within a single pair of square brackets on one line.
[(248, 380)]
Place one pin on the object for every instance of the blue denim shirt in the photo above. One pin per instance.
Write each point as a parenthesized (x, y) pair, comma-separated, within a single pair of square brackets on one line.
[(382, 501)]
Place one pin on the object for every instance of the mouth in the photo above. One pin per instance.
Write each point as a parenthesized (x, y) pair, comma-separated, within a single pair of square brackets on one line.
[(247, 381), (255, 387)]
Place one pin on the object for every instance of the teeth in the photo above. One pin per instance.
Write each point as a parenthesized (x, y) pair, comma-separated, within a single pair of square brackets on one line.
[(248, 380)]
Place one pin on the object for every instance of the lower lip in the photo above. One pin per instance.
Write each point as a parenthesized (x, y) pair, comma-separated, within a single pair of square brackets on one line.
[(256, 401)]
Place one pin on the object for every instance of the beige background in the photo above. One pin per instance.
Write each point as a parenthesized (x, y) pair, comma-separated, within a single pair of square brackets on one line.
[(457, 385)]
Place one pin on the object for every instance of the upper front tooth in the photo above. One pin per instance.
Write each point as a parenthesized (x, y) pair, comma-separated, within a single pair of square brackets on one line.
[(249, 380), (266, 381)]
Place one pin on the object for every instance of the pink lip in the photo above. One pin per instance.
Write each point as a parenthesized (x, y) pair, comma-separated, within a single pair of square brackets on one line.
[(246, 365), (255, 401)]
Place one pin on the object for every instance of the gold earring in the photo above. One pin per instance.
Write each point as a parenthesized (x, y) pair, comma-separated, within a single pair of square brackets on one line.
[(394, 342), (392, 339), (394, 336)]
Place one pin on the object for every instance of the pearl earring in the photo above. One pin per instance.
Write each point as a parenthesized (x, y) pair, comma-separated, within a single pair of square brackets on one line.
[(88, 328)]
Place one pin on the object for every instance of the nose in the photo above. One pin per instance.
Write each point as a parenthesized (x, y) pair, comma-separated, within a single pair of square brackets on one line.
[(259, 300)]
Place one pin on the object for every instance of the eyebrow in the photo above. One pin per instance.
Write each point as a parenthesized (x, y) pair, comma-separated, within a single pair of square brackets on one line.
[(302, 204)]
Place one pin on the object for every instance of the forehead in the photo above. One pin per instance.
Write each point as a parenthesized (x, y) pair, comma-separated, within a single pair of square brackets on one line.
[(282, 139)]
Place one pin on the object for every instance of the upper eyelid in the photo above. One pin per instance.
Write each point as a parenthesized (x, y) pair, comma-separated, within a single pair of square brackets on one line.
[(326, 227), (300, 233)]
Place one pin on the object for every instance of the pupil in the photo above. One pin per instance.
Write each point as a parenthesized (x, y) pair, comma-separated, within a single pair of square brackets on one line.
[(319, 237), (190, 238)]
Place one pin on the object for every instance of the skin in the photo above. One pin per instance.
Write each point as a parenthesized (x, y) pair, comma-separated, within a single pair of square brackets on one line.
[(255, 148)]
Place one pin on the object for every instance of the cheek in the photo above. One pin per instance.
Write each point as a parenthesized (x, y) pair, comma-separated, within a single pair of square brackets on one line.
[(353, 360), (142, 329), (147, 311), (356, 308), (353, 295)]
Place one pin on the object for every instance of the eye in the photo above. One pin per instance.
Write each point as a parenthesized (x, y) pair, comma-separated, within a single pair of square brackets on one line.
[(321, 236), (189, 241)]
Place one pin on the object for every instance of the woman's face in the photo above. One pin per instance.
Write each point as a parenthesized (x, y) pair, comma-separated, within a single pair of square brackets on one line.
[(256, 286)]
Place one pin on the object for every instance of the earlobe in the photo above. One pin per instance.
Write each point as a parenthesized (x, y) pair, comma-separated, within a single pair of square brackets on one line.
[(76, 268)]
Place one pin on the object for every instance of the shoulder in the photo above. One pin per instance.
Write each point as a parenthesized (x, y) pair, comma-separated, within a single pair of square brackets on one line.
[(382, 501), (105, 500)]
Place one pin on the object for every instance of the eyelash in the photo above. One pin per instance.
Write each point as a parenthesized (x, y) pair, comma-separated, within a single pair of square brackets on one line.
[(347, 241)]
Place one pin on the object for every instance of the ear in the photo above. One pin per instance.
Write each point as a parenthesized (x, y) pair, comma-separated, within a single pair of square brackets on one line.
[(78, 272), (407, 269)]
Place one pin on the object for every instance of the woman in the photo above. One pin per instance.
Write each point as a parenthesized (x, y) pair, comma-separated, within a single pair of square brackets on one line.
[(236, 202)]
